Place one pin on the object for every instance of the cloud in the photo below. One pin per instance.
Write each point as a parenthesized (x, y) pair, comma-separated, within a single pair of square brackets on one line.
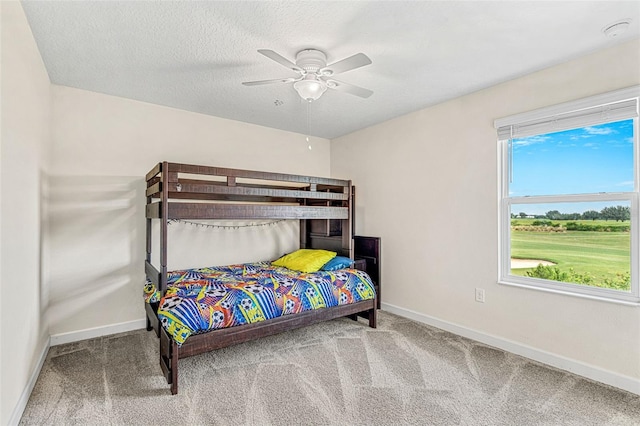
[(599, 130), (531, 140), (625, 183)]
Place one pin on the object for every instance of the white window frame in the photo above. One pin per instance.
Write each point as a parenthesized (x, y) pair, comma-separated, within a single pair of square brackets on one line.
[(505, 201)]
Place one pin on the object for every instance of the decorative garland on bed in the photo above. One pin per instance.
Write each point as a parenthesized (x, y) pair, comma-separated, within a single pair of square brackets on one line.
[(208, 225)]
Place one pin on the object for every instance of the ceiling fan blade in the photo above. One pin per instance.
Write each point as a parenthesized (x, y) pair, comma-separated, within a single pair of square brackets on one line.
[(279, 59), (352, 62), (349, 88), (277, 80)]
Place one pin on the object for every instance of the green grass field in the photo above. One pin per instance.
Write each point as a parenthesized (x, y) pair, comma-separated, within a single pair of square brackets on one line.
[(600, 254)]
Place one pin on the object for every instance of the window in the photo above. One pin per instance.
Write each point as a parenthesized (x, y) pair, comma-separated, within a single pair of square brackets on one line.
[(569, 191)]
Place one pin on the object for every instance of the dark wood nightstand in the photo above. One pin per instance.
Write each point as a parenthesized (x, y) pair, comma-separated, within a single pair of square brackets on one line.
[(367, 249)]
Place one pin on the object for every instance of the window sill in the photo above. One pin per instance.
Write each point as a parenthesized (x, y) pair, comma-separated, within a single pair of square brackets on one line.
[(635, 303)]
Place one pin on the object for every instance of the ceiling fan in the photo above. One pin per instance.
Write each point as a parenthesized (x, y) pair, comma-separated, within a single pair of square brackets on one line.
[(315, 76)]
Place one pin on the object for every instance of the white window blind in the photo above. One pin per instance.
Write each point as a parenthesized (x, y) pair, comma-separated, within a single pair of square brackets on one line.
[(592, 116)]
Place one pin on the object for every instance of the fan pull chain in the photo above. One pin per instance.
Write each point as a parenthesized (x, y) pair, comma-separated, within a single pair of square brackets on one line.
[(308, 143)]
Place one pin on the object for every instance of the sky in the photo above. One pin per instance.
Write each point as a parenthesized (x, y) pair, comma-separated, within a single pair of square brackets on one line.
[(580, 161)]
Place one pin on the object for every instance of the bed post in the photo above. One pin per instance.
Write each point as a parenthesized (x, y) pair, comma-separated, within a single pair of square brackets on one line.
[(304, 227), (352, 209), (148, 256), (373, 314), (169, 355), (164, 221), (152, 187), (347, 224), (174, 367)]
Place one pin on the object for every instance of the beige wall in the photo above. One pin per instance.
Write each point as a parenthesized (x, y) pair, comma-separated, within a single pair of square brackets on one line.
[(102, 148), (25, 124), (427, 184), (71, 191)]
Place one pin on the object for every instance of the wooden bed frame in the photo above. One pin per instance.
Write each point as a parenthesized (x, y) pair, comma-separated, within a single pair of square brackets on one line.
[(324, 207)]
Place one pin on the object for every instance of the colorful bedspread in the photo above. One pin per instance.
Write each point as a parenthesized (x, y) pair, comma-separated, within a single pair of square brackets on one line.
[(203, 299)]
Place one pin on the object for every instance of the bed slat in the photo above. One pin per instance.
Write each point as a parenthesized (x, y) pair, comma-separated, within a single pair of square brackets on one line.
[(153, 172), (154, 190), (251, 174), (152, 273), (204, 187), (251, 211), (153, 210)]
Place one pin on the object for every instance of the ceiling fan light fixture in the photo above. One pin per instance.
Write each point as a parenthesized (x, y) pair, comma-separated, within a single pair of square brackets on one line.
[(314, 75), (310, 88)]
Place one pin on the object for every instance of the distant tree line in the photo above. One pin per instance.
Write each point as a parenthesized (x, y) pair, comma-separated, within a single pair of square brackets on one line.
[(617, 213)]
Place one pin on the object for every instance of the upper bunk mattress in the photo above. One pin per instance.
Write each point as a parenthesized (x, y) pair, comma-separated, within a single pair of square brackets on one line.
[(198, 300)]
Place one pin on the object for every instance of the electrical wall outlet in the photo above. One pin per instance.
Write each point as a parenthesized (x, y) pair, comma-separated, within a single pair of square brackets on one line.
[(480, 295)]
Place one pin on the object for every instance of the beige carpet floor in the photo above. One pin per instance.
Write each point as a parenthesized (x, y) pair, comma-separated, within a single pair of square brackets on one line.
[(340, 373)]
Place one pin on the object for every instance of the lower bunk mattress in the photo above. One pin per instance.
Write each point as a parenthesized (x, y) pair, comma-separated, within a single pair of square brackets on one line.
[(199, 300)]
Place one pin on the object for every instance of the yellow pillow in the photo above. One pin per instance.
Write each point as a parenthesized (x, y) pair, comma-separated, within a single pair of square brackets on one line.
[(305, 260)]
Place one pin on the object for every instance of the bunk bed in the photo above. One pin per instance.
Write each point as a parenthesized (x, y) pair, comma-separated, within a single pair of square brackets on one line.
[(324, 207)]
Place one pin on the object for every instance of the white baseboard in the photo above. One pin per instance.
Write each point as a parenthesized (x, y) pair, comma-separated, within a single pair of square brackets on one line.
[(26, 393), (627, 383), (90, 333), (60, 339), (610, 378)]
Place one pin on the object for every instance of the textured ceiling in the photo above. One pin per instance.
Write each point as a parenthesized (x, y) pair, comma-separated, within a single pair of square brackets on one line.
[(194, 55)]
